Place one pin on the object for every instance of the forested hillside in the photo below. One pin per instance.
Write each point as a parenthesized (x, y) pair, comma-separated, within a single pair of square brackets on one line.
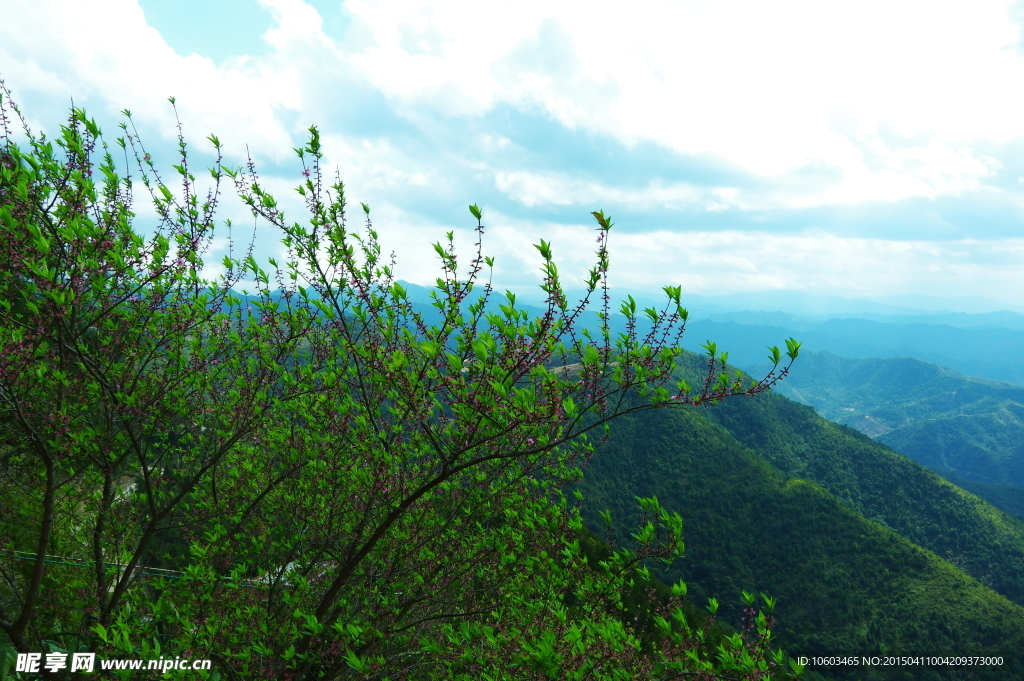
[(866, 550), (968, 429)]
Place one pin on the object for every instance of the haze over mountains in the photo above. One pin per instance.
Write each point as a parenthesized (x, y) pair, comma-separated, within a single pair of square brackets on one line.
[(972, 336)]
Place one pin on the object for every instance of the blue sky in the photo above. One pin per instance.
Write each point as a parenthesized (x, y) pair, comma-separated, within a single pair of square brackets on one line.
[(862, 150)]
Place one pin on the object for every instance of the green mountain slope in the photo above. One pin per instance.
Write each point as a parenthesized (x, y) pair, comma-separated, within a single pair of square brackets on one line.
[(884, 486), (878, 395), (984, 447), (847, 533), (970, 428), (1007, 497)]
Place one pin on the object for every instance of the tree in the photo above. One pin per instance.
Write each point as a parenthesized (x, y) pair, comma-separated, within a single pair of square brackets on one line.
[(334, 485)]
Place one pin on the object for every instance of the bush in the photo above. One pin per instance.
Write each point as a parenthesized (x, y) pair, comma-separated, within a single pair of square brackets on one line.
[(318, 480)]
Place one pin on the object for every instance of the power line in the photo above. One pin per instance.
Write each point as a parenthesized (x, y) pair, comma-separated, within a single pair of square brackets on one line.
[(142, 570)]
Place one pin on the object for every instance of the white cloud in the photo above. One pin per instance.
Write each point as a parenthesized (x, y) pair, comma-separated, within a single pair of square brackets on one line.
[(731, 261), (533, 189), (758, 84), (880, 101), (104, 53), (930, 171), (720, 262)]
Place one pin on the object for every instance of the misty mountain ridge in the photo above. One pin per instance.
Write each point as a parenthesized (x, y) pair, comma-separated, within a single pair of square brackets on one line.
[(982, 320), (804, 304)]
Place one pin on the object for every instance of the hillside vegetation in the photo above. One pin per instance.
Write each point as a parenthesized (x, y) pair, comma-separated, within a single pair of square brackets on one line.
[(969, 429), (866, 550)]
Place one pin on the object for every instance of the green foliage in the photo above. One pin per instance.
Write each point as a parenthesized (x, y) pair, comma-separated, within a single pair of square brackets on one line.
[(335, 486)]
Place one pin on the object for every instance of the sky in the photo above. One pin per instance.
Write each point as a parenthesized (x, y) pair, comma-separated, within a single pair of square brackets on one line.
[(866, 150)]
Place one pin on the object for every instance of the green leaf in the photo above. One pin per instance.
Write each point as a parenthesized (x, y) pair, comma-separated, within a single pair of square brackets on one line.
[(480, 348), (793, 348), (605, 221), (628, 307), (545, 249)]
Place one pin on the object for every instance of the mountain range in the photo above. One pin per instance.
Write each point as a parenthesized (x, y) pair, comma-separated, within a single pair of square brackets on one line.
[(988, 343)]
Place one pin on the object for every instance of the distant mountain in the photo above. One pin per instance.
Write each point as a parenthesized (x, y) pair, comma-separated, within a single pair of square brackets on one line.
[(807, 304), (986, 320), (1006, 497), (955, 340), (987, 344), (985, 446), (866, 550), (878, 395), (994, 353)]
